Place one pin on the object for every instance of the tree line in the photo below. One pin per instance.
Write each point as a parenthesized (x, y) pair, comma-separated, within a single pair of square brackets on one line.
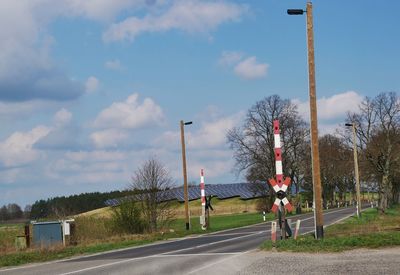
[(12, 211), (377, 122), (63, 206)]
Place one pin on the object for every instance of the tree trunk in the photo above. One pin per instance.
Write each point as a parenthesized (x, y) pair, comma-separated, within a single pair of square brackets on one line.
[(385, 193)]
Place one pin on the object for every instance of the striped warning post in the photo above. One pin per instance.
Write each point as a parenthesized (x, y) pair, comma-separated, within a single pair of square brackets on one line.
[(279, 184), (273, 232), (296, 232), (203, 200)]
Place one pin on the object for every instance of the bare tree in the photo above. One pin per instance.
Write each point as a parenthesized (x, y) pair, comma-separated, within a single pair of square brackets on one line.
[(253, 143), (378, 130), (152, 179), (336, 166)]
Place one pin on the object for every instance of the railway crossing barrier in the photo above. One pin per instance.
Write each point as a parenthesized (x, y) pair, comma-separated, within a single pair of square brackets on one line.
[(280, 185), (205, 204)]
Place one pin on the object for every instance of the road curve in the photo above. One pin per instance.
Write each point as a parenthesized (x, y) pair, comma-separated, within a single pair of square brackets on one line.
[(226, 251)]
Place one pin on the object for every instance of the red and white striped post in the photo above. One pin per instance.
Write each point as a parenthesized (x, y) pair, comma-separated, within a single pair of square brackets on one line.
[(203, 201), (280, 185), (296, 232), (273, 232)]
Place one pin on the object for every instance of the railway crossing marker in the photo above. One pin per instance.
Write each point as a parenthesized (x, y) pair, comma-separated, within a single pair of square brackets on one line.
[(280, 185), (203, 201), (205, 204)]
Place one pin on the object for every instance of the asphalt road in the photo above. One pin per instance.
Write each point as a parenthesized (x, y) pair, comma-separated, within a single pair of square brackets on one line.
[(224, 252)]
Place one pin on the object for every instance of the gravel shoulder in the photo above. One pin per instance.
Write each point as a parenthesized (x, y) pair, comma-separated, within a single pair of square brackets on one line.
[(360, 261)]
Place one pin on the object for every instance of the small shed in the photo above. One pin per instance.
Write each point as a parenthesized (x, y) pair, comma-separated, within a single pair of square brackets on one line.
[(50, 233)]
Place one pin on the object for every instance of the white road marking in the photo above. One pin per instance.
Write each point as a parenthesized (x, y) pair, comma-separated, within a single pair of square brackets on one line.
[(198, 254), (209, 244), (105, 265), (242, 233)]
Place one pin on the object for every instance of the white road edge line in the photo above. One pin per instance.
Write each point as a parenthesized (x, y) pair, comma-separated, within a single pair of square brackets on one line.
[(198, 254), (217, 242), (109, 264)]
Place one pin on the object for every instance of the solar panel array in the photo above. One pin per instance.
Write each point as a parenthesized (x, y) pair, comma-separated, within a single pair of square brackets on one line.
[(222, 191)]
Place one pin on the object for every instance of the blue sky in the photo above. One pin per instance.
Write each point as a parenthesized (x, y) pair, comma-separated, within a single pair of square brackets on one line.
[(91, 88)]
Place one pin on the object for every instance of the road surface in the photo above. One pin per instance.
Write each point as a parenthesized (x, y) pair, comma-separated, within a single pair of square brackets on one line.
[(224, 252)]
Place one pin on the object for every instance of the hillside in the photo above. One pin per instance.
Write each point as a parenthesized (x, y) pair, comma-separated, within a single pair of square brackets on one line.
[(226, 206)]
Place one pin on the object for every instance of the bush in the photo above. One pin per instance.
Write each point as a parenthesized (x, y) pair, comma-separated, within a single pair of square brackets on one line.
[(126, 218)]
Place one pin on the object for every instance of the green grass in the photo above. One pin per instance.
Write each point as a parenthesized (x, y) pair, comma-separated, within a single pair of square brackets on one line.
[(43, 255), (178, 230), (220, 222), (8, 232), (371, 231)]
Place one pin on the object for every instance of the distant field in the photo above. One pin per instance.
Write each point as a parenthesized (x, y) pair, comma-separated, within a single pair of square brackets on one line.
[(221, 207)]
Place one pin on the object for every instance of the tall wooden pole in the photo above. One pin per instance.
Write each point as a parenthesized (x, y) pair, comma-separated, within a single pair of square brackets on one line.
[(318, 217), (185, 187), (356, 172)]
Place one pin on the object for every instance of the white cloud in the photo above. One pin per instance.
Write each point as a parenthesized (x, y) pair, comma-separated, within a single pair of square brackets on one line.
[(212, 168), (14, 110), (92, 84), (247, 68), (251, 69), (187, 15), (230, 58), (334, 107), (26, 69), (113, 65), (96, 156), (63, 135), (130, 114), (18, 149), (104, 10), (62, 117), (91, 167), (109, 138), (211, 134), (328, 128), (332, 111)]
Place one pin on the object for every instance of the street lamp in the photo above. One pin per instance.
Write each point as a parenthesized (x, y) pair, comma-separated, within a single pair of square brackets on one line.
[(185, 187), (319, 223), (356, 168)]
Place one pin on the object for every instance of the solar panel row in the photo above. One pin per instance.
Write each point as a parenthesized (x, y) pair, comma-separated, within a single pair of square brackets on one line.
[(222, 191)]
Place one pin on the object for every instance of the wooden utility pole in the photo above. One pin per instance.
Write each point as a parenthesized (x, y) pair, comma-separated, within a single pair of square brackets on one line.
[(319, 223), (185, 187)]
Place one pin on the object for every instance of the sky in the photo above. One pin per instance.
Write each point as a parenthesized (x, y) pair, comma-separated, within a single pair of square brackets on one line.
[(90, 89)]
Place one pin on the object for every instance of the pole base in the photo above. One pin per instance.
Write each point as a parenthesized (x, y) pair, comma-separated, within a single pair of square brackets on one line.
[(319, 232), (187, 226)]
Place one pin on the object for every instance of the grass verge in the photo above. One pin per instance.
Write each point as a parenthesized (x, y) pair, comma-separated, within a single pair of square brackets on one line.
[(176, 230), (370, 231)]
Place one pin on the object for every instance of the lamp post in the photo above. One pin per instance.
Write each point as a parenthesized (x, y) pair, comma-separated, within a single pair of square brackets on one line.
[(318, 217), (356, 168), (185, 187)]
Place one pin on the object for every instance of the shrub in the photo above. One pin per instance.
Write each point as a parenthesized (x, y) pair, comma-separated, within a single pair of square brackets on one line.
[(126, 218)]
